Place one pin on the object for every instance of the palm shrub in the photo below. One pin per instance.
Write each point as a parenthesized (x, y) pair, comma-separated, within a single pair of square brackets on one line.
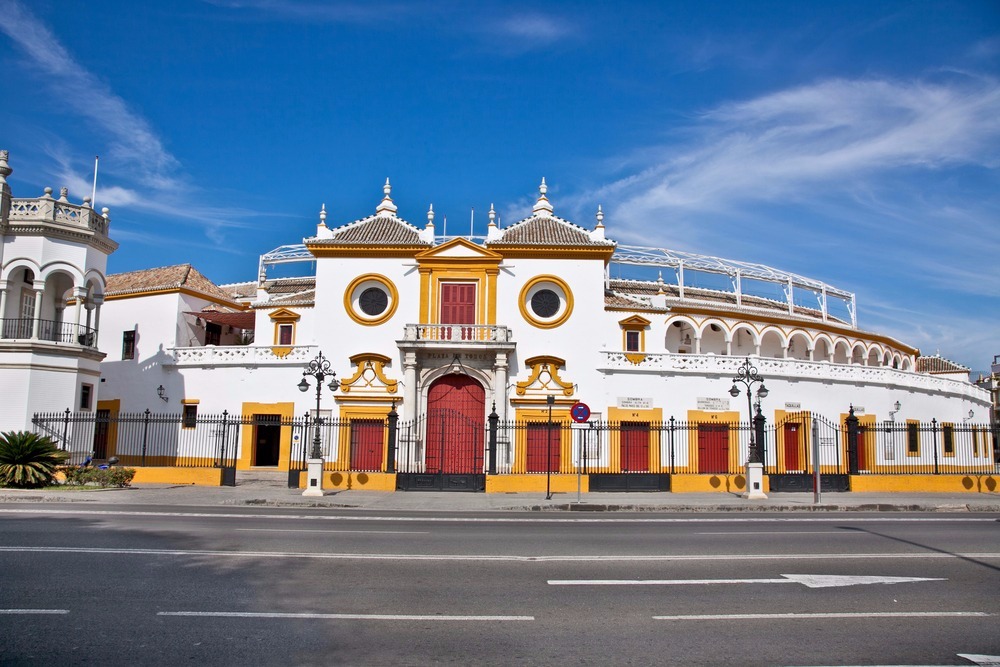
[(28, 460)]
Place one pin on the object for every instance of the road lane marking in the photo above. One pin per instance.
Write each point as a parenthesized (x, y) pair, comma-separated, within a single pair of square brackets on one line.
[(786, 532), (808, 580), (347, 617), (310, 530), (741, 518), (493, 557), (794, 616), (15, 612)]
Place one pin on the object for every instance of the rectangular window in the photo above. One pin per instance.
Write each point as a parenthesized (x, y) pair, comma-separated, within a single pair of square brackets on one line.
[(128, 344), (213, 334), (284, 334), (458, 303), (632, 341), (190, 418), (948, 431), (86, 391), (975, 442), (912, 439)]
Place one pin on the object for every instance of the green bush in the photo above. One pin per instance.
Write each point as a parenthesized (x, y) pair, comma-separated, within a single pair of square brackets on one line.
[(118, 478), (28, 460)]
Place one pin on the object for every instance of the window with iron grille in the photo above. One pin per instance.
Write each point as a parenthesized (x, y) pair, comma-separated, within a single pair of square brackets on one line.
[(949, 439), (128, 344), (190, 418), (912, 439)]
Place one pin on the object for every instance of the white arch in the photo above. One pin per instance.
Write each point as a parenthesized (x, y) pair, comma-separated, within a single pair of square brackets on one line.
[(830, 347), (738, 349), (713, 341), (678, 329)]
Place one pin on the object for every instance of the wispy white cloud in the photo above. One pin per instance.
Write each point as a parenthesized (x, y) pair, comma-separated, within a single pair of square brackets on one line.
[(133, 141), (325, 12)]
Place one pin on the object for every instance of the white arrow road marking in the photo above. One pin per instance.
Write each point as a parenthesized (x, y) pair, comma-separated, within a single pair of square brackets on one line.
[(982, 660), (782, 617), (809, 580), (348, 617)]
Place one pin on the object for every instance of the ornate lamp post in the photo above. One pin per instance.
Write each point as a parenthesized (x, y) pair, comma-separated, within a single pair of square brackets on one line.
[(747, 375), (318, 368)]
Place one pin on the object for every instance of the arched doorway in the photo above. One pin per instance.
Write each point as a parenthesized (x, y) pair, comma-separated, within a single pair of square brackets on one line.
[(455, 432)]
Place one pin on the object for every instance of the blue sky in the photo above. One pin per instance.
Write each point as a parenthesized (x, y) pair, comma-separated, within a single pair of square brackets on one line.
[(857, 143)]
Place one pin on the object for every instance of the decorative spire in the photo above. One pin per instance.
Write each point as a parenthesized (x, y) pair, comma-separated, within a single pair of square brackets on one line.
[(64, 194), (386, 208), (659, 281), (493, 217), (600, 216), (430, 216), (542, 206), (5, 169)]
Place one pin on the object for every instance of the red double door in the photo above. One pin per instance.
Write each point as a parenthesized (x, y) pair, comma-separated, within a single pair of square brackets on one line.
[(456, 428)]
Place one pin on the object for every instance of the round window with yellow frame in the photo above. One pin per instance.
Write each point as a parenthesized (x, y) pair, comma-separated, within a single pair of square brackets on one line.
[(546, 302), (371, 299)]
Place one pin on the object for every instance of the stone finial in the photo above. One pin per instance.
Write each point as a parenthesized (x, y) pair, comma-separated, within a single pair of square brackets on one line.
[(86, 202), (5, 169), (322, 214), (430, 216), (386, 208), (64, 194), (493, 217), (600, 216), (105, 211), (542, 206), (47, 193)]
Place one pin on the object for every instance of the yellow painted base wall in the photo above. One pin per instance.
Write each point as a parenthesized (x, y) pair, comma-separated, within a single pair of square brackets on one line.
[(196, 476), (925, 483), (535, 483), (711, 484), (355, 481)]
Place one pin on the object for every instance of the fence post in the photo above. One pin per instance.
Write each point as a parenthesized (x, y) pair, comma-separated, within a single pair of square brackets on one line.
[(852, 442), (65, 429), (759, 422), (934, 440), (222, 445), (145, 434), (390, 463), (494, 420), (671, 445)]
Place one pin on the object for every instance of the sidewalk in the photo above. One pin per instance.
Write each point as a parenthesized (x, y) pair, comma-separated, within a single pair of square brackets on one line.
[(261, 493)]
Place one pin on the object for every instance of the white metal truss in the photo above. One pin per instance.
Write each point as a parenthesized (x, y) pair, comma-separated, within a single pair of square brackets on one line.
[(676, 260)]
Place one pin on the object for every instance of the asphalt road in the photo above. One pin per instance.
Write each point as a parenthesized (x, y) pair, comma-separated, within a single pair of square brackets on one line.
[(295, 586)]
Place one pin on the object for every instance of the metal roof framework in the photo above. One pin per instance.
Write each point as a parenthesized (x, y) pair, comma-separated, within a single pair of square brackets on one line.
[(676, 260)]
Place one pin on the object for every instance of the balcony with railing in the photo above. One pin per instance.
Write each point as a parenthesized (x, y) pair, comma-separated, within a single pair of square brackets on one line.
[(60, 211), (785, 369), (241, 355), (468, 336), (24, 329)]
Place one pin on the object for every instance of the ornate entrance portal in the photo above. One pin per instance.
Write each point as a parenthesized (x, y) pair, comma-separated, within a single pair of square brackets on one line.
[(454, 428)]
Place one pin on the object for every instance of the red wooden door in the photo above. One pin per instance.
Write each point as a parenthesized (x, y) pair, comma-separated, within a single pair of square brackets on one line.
[(862, 454), (635, 446), (542, 447), (458, 303), (455, 435), (367, 441), (713, 448), (792, 447)]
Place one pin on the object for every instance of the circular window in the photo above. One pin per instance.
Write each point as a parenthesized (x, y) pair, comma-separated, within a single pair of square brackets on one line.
[(371, 299), (546, 302)]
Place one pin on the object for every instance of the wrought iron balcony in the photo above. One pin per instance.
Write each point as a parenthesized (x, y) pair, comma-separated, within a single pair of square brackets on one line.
[(48, 330)]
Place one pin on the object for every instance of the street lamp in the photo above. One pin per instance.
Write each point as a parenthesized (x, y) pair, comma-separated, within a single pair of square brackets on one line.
[(318, 368), (748, 377)]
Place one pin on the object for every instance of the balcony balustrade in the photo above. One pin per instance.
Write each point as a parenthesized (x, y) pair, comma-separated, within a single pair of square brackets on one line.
[(48, 330)]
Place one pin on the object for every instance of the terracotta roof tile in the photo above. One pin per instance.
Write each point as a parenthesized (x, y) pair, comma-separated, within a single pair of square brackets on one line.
[(165, 278), (374, 230), (546, 230), (938, 364)]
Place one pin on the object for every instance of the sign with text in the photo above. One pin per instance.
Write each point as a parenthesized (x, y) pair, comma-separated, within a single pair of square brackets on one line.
[(635, 403), (793, 407), (711, 404)]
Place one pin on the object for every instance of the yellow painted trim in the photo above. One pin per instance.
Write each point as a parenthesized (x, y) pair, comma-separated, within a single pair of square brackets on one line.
[(554, 252), (634, 322), (190, 401), (635, 357), (350, 412), (167, 475), (360, 317), (618, 415), (530, 318), (435, 268), (536, 483), (709, 483), (868, 439), (637, 324), (113, 406), (374, 362), (540, 414), (356, 481), (287, 412), (986, 483), (544, 364), (364, 250), (782, 417), (284, 315), (730, 418), (176, 290)]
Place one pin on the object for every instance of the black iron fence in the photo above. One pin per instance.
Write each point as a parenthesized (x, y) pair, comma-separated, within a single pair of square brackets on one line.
[(48, 330), (792, 446)]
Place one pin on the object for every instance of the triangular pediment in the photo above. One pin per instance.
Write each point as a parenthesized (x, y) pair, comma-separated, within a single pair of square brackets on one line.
[(634, 321), (284, 315), (459, 250)]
